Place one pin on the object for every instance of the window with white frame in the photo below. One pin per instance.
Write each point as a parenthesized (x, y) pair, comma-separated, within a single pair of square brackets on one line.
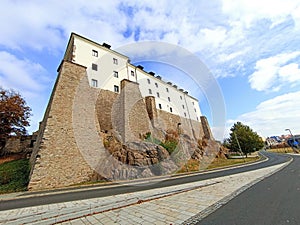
[(167, 89), (132, 73), (116, 88), (156, 85), (159, 106), (183, 106), (94, 83), (115, 61), (171, 110), (157, 94), (148, 81), (150, 91), (169, 99), (94, 53)]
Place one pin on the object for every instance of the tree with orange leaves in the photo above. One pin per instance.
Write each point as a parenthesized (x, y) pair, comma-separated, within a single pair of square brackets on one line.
[(14, 116)]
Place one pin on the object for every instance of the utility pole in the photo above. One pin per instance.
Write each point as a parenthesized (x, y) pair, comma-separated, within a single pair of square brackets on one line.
[(238, 144)]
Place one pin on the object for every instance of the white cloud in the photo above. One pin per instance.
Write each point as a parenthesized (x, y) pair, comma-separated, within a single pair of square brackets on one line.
[(290, 72), (225, 35), (46, 25), (214, 37), (249, 12), (273, 116), (21, 74), (30, 80), (273, 72)]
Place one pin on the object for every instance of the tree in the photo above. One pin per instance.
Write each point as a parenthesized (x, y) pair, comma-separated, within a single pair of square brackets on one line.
[(14, 115), (244, 136)]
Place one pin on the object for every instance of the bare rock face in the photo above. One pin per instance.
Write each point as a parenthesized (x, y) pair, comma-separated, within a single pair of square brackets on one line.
[(141, 159)]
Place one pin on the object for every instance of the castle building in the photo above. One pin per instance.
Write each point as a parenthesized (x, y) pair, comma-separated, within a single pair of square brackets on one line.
[(101, 100), (106, 69)]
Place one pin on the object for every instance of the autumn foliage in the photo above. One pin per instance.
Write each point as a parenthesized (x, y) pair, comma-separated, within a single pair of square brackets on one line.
[(14, 115)]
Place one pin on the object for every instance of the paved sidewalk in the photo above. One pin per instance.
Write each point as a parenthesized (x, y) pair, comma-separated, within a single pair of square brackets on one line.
[(181, 204)]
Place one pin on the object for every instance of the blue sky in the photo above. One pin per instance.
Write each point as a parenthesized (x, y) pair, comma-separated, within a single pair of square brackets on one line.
[(251, 47)]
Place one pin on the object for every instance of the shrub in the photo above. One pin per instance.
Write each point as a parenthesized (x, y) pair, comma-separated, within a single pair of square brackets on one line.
[(151, 139), (170, 146)]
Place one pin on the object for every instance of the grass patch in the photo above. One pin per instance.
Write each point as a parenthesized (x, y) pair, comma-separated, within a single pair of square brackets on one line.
[(14, 176), (218, 162), (193, 165), (281, 150)]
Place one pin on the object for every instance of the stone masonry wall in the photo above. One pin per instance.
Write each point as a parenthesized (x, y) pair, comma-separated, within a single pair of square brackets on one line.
[(56, 160), (130, 117), (206, 128), (171, 121), (104, 106), (151, 109), (69, 143)]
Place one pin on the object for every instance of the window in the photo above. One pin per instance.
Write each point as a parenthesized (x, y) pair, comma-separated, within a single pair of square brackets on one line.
[(94, 53), (116, 88), (171, 110), (116, 74), (195, 110), (185, 114), (183, 106), (197, 118), (169, 99), (193, 103), (180, 97), (167, 89), (132, 73), (157, 93), (156, 85), (115, 61), (159, 106), (148, 81), (94, 66), (150, 91), (94, 83)]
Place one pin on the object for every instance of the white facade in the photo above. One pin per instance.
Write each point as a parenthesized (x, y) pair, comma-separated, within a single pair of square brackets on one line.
[(106, 68)]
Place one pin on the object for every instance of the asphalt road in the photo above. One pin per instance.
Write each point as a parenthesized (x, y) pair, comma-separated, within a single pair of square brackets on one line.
[(109, 190), (273, 201)]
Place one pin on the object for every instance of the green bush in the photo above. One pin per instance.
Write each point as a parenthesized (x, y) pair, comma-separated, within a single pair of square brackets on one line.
[(170, 146), (151, 139), (14, 176)]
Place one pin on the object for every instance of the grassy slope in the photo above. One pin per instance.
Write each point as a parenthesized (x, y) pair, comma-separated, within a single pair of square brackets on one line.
[(14, 176)]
